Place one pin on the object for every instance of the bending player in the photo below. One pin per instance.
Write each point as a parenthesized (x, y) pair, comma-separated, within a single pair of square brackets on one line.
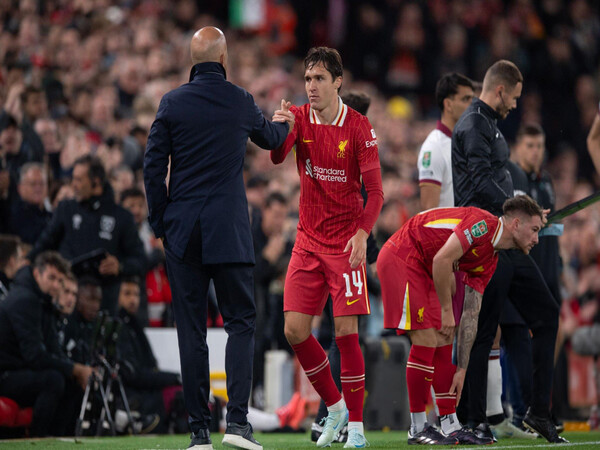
[(335, 147), (416, 269)]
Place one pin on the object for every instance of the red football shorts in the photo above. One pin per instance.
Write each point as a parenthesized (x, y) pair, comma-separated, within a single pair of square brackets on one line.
[(408, 294), (311, 276)]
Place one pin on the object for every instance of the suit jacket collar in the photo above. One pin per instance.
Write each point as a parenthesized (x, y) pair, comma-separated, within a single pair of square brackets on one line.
[(207, 67)]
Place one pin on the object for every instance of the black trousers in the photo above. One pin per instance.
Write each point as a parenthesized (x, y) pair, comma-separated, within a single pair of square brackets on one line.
[(517, 278), (54, 399), (234, 285)]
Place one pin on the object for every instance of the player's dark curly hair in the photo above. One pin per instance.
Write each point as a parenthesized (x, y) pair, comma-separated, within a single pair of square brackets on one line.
[(522, 204), (329, 57)]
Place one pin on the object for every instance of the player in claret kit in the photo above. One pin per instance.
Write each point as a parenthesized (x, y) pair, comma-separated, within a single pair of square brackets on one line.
[(335, 146), (416, 269)]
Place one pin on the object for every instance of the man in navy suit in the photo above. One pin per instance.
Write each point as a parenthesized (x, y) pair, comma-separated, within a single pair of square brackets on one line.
[(203, 127)]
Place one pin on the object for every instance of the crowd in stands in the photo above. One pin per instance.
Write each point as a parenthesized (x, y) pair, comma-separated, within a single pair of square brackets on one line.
[(80, 84)]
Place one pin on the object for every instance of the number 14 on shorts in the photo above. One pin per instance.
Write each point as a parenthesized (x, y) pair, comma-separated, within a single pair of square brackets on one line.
[(357, 282)]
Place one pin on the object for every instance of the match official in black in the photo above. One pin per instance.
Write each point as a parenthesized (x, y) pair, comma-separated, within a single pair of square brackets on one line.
[(481, 178), (203, 127)]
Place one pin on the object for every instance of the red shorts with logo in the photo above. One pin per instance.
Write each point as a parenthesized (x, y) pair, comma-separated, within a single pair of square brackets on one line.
[(312, 276), (410, 301)]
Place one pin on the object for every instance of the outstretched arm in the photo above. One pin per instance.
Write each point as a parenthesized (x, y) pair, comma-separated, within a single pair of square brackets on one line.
[(467, 331)]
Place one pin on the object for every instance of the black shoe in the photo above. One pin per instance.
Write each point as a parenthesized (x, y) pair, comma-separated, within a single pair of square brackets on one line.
[(467, 436), (482, 431), (240, 436), (201, 440), (430, 436), (146, 423), (544, 427), (558, 424), (316, 429)]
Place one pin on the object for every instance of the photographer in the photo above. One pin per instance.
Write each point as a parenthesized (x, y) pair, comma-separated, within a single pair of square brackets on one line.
[(93, 221), (33, 369)]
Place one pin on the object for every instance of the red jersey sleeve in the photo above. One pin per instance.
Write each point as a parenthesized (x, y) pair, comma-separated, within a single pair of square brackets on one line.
[(278, 155), (366, 142)]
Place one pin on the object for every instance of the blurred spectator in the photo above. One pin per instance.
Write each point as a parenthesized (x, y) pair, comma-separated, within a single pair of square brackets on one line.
[(28, 214), (142, 379), (80, 324), (91, 222), (9, 262), (65, 304), (47, 129), (121, 178), (35, 371)]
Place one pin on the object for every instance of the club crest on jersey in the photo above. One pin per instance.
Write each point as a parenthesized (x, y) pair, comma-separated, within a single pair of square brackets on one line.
[(426, 159), (479, 229), (342, 149), (309, 171)]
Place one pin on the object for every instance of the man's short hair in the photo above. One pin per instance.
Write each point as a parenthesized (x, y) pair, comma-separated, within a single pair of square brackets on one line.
[(133, 192), (329, 57), (502, 72), (358, 101), (28, 91), (447, 86), (131, 279), (71, 277), (275, 197), (95, 167), (32, 165), (89, 280), (51, 258), (522, 204), (9, 246), (530, 129)]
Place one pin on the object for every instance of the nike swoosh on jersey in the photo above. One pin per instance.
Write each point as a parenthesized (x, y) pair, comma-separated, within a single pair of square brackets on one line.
[(307, 140), (348, 302)]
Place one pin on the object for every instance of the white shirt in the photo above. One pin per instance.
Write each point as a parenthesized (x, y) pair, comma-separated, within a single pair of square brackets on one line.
[(435, 163)]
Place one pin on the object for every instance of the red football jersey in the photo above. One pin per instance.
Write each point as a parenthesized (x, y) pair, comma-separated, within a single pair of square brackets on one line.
[(426, 233), (330, 160)]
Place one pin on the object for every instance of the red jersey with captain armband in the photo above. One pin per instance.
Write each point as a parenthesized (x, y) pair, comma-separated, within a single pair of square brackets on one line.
[(426, 233), (330, 160)]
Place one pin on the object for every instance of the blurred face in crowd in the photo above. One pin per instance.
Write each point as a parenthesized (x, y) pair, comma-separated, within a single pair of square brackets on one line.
[(35, 105), (68, 296), (137, 207), (33, 187), (525, 231), (49, 279), (10, 140), (48, 132), (460, 101), (14, 263), (88, 302), (507, 99), (83, 187), (122, 179), (273, 218), (530, 152), (321, 88), (129, 297)]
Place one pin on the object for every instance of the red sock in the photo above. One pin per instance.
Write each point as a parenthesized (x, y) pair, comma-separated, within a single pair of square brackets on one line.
[(352, 375), (442, 380), (316, 366), (419, 375)]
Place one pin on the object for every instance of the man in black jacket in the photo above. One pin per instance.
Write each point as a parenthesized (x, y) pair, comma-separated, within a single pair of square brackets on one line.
[(91, 222), (481, 178), (142, 379), (10, 250), (33, 369), (202, 128)]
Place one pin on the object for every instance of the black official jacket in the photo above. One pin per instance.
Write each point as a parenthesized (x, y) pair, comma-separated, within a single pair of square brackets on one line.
[(28, 335), (98, 223), (479, 154)]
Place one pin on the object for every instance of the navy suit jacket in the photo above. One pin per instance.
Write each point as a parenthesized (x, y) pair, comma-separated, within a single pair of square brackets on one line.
[(204, 126)]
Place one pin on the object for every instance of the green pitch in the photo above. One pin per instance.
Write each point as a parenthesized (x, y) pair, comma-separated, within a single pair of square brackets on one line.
[(378, 439)]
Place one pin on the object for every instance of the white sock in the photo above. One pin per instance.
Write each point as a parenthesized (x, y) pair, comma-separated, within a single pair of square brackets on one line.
[(339, 406), (494, 385), (262, 421), (356, 426), (417, 422), (449, 423)]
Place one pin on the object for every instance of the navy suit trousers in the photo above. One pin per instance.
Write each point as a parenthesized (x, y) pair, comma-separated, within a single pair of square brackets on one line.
[(234, 286)]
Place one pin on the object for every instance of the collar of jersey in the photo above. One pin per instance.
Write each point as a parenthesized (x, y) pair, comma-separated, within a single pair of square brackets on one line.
[(498, 233), (339, 119)]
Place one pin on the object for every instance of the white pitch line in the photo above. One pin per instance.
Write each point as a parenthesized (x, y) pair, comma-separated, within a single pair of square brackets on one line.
[(544, 445)]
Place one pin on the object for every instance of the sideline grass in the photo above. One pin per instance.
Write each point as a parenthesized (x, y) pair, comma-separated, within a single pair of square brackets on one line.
[(378, 439)]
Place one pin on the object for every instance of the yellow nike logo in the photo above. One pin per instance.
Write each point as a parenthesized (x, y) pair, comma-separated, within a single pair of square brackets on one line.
[(307, 140), (474, 251), (428, 379), (348, 302), (357, 389)]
